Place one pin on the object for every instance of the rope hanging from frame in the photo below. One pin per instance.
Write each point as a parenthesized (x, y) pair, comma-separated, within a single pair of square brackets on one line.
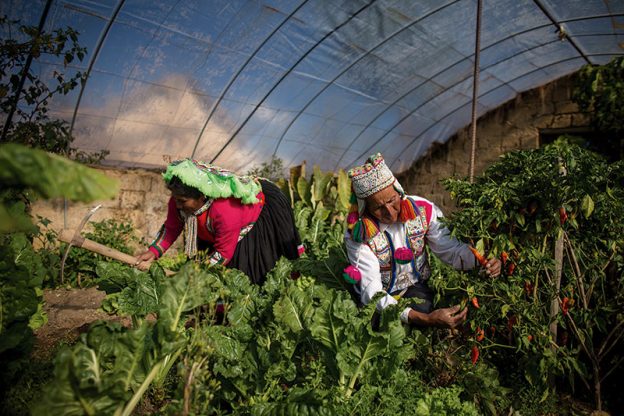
[(475, 92)]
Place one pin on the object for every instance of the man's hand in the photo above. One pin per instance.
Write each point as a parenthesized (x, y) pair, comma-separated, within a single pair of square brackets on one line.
[(144, 260), (493, 267), (443, 318)]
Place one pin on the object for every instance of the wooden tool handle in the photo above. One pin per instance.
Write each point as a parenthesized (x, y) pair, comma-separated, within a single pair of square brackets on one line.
[(68, 237)]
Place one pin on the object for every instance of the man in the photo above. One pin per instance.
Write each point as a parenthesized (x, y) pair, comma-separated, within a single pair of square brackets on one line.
[(386, 239)]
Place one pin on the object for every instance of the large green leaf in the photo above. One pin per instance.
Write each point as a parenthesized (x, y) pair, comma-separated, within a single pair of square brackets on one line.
[(344, 191), (293, 309), (304, 190), (320, 183), (14, 220), (51, 175), (587, 206)]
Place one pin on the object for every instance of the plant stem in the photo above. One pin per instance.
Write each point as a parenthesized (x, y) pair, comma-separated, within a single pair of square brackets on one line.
[(604, 350), (577, 270), (554, 304), (142, 389)]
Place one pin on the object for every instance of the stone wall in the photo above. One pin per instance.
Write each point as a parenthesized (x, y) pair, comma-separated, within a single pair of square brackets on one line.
[(514, 125), (142, 201)]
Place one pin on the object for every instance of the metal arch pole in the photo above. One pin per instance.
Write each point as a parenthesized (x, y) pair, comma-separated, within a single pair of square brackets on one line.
[(492, 90), (370, 123), (238, 72), (96, 52), (92, 60), (448, 67), (290, 124), (559, 29), (475, 92), (424, 103), (266, 96), (25, 69)]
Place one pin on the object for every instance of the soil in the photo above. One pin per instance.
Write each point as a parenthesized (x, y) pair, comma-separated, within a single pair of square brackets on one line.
[(70, 312)]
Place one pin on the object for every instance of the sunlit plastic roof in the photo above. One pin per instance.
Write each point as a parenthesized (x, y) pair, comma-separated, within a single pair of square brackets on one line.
[(236, 82)]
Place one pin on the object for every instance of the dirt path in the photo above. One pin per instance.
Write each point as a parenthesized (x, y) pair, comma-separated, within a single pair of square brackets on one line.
[(70, 312)]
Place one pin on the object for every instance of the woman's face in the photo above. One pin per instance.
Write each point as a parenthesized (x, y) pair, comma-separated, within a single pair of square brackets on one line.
[(188, 205), (385, 205)]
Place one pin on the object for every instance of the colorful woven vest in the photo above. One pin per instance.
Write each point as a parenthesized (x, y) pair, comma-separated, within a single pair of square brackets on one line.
[(383, 247)]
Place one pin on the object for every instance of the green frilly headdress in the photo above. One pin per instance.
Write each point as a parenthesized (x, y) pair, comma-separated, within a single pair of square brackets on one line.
[(213, 181)]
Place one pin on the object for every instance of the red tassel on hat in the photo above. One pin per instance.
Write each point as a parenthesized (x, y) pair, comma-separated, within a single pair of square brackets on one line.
[(407, 210)]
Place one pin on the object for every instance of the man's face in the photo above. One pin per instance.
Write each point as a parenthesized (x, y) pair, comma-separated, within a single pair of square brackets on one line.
[(385, 205)]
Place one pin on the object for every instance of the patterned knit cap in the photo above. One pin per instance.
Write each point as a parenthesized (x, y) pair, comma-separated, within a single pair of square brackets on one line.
[(371, 177)]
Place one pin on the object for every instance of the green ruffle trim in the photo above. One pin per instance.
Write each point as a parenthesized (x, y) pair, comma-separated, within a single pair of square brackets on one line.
[(213, 181)]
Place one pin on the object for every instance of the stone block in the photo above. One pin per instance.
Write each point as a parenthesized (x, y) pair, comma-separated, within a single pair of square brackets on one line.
[(580, 120), (561, 121), (138, 182), (132, 200)]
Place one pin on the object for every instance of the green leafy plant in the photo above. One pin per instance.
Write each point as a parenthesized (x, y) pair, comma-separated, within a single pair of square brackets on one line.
[(556, 214), (272, 170), (599, 90), (22, 269), (35, 173)]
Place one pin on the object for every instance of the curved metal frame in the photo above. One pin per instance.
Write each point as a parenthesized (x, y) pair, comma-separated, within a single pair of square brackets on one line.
[(492, 90), (240, 70), (550, 17), (408, 115), (391, 105), (93, 58), (460, 81), (353, 64), (310, 102), (276, 84)]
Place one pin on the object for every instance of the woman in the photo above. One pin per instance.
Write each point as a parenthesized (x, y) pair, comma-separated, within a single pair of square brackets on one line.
[(240, 222)]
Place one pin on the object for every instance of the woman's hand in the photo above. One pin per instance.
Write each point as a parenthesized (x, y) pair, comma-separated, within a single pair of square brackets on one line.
[(144, 260)]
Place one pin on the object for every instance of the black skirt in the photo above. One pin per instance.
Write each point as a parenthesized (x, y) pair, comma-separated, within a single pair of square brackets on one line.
[(273, 235)]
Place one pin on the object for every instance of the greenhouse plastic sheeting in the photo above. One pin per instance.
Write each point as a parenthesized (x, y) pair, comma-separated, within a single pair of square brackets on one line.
[(237, 82)]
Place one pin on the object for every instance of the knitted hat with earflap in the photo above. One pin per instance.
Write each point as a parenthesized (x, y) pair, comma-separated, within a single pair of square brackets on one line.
[(366, 180)]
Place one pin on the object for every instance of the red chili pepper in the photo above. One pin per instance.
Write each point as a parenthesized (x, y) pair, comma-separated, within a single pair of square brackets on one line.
[(493, 330), (530, 338), (504, 257), (475, 302), (511, 322), (510, 269), (528, 287), (564, 305), (563, 215), (474, 354), (480, 334), (482, 260)]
